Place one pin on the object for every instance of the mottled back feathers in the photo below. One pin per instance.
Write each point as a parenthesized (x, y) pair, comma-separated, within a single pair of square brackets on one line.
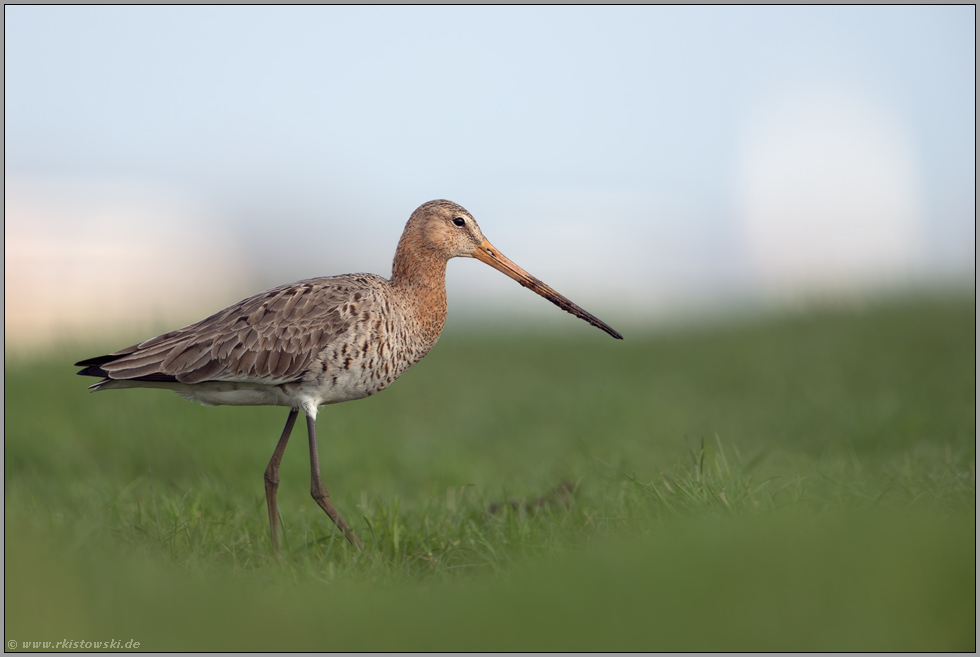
[(270, 338)]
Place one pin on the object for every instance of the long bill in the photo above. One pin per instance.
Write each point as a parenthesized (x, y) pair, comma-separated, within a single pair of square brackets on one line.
[(489, 254)]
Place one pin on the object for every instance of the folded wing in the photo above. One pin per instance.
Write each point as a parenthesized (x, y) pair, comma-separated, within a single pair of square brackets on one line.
[(269, 338)]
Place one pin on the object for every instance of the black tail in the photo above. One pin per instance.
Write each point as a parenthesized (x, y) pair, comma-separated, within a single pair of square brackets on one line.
[(98, 360), (93, 370), (92, 366)]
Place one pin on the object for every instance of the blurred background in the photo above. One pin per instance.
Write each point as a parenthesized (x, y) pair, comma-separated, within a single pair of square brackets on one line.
[(162, 162)]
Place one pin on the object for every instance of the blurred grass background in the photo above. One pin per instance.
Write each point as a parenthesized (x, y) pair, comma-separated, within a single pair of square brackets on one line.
[(800, 482)]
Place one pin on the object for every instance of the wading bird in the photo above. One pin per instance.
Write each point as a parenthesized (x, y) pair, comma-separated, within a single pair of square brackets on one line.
[(319, 341)]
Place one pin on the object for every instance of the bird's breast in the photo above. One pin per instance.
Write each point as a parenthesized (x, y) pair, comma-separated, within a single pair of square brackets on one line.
[(372, 353)]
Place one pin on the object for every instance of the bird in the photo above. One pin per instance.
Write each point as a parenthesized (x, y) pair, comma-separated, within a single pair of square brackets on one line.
[(321, 340)]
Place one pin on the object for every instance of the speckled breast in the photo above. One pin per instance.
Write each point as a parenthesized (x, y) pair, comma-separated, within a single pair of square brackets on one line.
[(377, 347)]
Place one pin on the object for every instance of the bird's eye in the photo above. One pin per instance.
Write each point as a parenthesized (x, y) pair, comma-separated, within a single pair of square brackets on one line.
[(459, 221)]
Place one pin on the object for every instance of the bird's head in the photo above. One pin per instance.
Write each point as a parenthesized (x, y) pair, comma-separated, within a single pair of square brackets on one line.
[(443, 230)]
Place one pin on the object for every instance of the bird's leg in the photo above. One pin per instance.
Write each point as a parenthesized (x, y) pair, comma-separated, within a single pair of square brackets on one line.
[(320, 493), (272, 479)]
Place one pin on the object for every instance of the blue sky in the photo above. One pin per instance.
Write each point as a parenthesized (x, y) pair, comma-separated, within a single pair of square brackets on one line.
[(624, 154)]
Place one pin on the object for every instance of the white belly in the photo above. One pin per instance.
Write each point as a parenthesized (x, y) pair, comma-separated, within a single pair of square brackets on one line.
[(217, 393)]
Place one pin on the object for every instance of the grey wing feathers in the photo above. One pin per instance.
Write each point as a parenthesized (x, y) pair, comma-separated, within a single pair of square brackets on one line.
[(269, 338)]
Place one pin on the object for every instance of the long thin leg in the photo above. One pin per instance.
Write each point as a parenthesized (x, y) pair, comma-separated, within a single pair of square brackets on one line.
[(272, 479), (320, 493)]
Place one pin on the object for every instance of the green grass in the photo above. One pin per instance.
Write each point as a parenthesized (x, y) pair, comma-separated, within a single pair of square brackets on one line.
[(793, 483)]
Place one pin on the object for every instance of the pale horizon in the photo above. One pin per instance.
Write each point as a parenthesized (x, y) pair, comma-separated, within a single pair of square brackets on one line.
[(647, 162)]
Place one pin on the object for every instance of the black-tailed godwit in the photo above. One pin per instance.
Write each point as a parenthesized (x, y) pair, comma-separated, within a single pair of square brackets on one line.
[(319, 341)]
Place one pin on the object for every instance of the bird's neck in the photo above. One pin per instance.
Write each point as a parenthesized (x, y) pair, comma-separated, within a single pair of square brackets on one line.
[(418, 278)]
